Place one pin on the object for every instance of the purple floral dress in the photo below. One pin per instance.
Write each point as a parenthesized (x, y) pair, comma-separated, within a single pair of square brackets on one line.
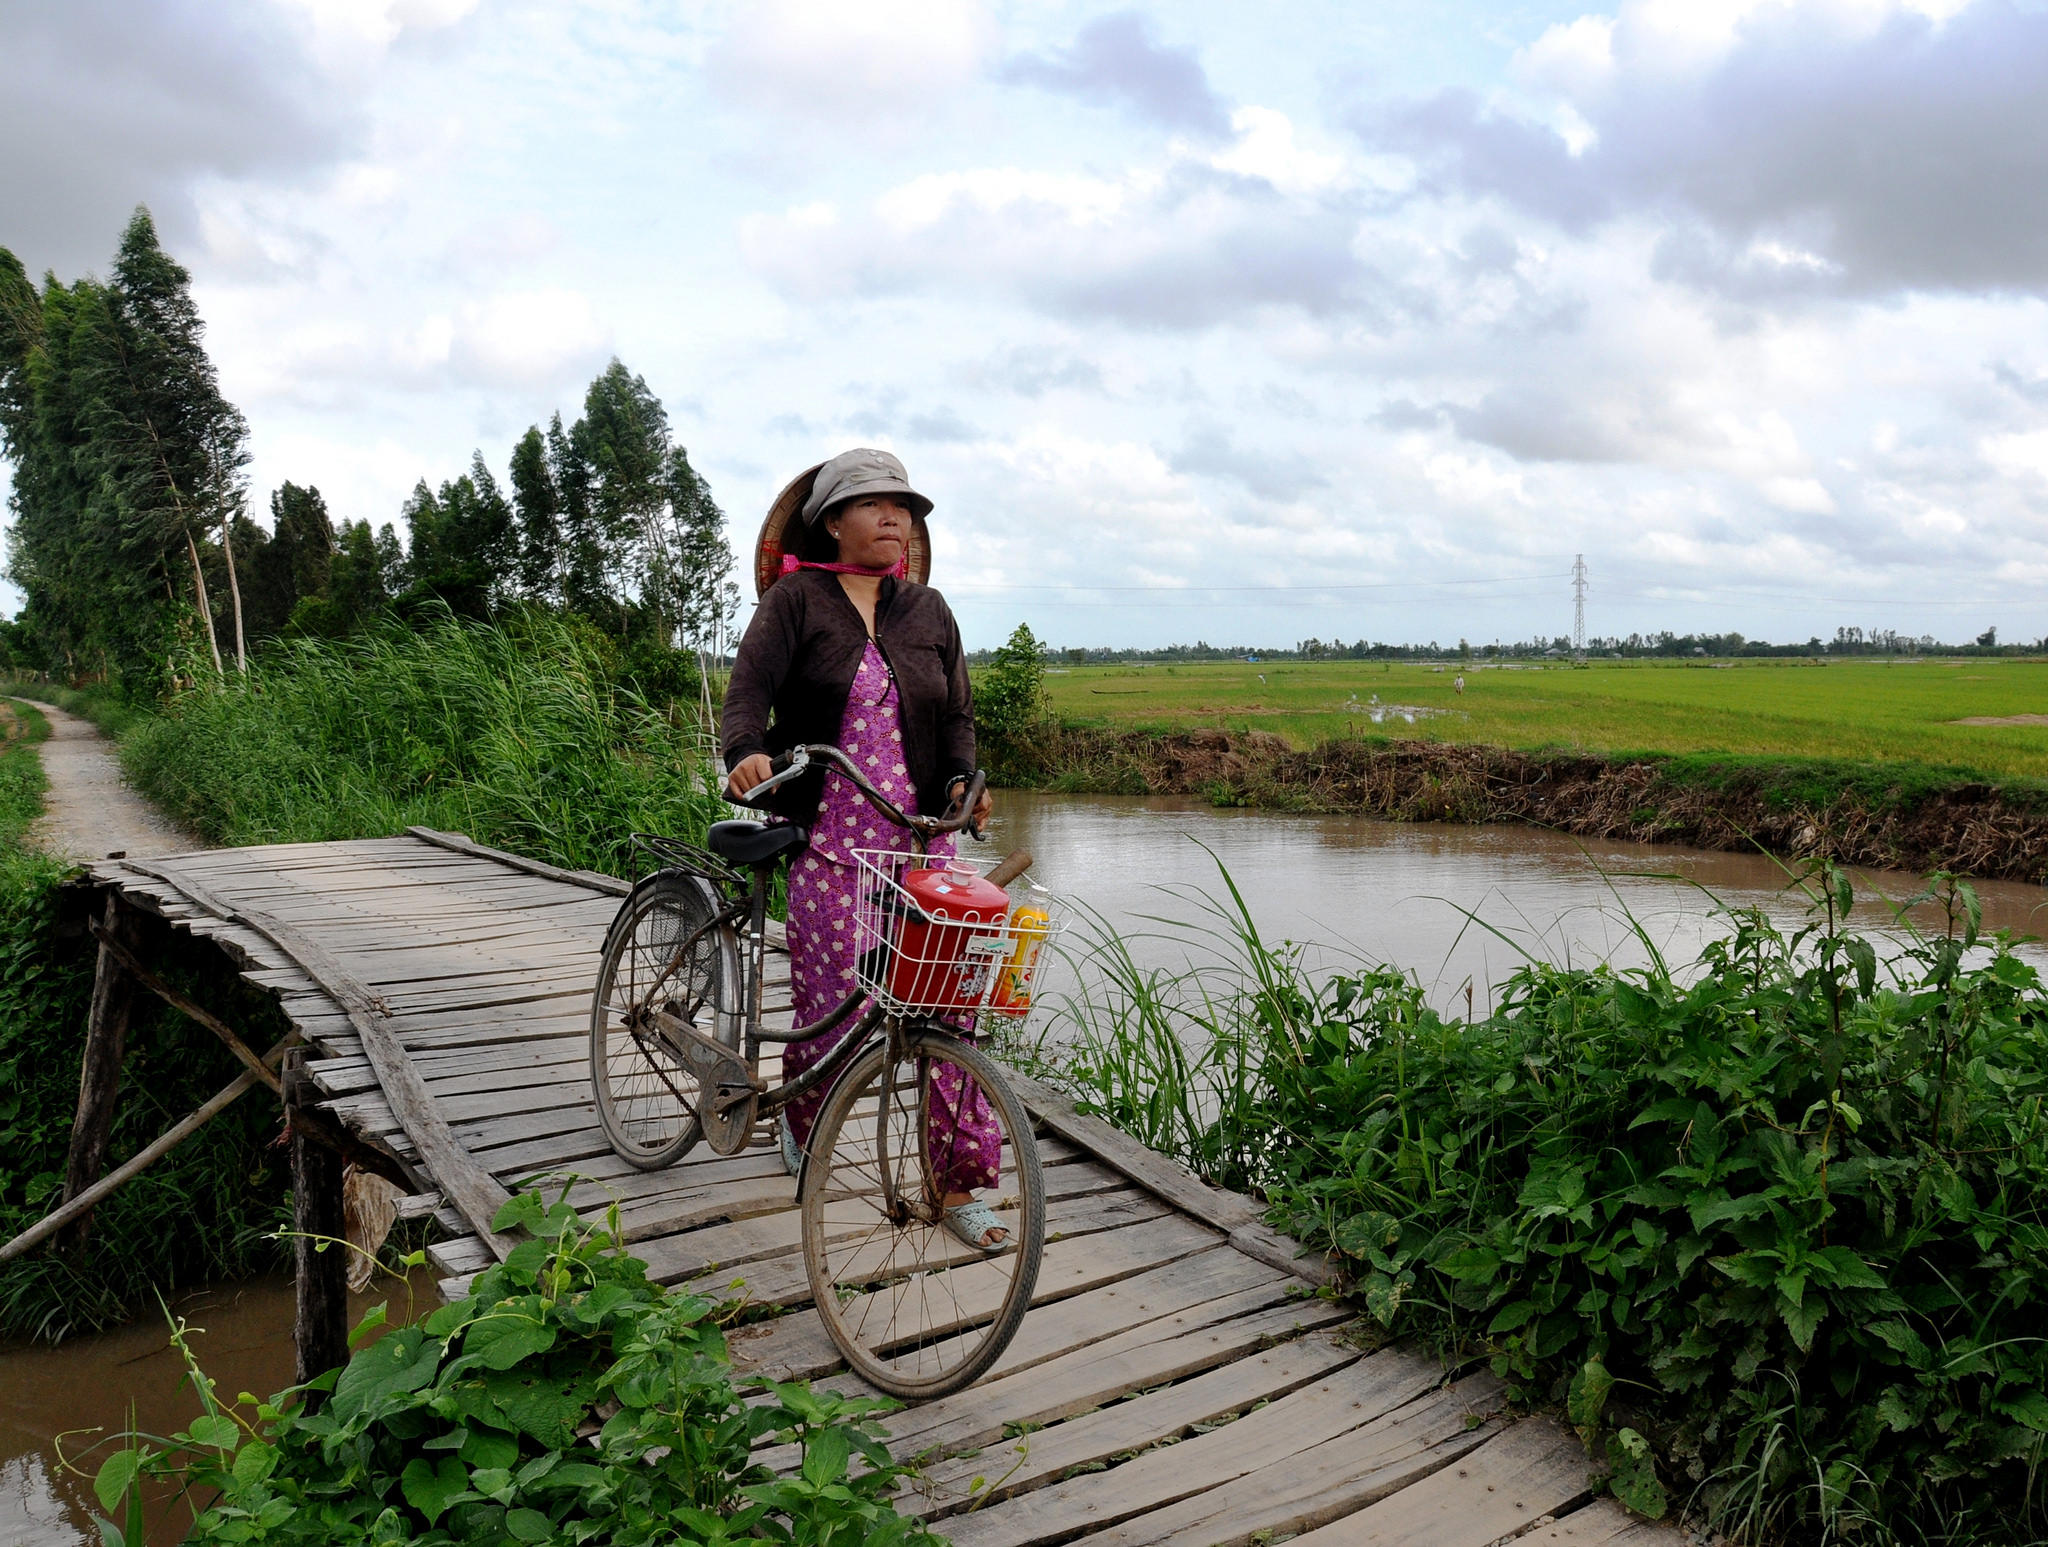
[(965, 1140)]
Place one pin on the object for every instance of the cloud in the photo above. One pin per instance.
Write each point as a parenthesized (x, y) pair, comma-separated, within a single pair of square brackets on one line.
[(1031, 371), (860, 72), (1114, 62), (1272, 475), (106, 105), (1790, 149), (513, 341), (1184, 248), (943, 426)]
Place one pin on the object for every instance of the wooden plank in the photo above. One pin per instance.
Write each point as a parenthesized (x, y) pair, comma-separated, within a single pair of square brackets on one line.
[(715, 1249), (1309, 1458), (1534, 1469), (1035, 1460), (1602, 1523), (1171, 1348), (465, 1182), (783, 1280), (796, 1346)]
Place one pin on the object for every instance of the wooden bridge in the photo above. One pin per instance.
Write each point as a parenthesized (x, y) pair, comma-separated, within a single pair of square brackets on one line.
[(1179, 1380)]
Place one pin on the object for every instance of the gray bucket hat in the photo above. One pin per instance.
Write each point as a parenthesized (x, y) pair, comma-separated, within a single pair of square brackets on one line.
[(858, 473)]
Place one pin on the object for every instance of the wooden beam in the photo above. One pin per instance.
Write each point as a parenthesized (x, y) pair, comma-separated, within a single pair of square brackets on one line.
[(457, 843), (323, 1128), (178, 1001), (593, 880), (319, 1231), (99, 1075), (1242, 1217), (464, 1181), (84, 1203)]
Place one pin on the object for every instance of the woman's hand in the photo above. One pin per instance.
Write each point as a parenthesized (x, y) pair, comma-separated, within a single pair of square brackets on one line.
[(983, 807), (750, 773)]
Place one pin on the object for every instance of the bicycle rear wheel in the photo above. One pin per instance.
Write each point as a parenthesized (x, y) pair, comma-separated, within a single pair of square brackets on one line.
[(646, 1096), (916, 1311)]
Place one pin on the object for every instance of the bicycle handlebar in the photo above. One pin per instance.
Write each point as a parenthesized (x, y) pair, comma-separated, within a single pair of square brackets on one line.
[(789, 765)]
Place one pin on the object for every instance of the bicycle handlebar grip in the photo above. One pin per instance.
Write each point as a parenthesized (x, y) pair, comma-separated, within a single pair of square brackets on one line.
[(780, 762)]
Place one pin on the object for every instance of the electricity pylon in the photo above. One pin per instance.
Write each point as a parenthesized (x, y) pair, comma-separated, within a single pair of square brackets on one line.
[(1579, 608)]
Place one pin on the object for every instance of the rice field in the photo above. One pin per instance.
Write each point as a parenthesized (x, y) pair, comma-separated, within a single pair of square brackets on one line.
[(1913, 710)]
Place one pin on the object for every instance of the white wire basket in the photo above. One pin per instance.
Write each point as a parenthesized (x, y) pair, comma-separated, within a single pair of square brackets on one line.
[(925, 942)]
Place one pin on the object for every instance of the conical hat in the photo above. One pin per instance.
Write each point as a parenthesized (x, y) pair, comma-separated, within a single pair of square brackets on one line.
[(788, 508)]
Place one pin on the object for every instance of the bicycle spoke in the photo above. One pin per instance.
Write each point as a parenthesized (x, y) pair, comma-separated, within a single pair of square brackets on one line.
[(916, 1310)]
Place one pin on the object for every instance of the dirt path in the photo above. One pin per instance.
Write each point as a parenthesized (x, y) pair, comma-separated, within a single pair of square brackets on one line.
[(91, 811)]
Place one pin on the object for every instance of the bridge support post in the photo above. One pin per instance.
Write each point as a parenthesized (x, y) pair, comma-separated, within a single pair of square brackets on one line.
[(99, 1075), (321, 1329)]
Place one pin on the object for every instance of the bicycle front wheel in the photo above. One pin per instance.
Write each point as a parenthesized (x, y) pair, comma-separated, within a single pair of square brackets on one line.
[(916, 1311), (663, 953)]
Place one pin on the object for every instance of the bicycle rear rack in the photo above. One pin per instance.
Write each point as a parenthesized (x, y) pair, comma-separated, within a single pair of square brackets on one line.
[(673, 852)]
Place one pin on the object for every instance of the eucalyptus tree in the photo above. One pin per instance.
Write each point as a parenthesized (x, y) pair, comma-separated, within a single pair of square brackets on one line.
[(169, 448), (707, 602), (127, 458), (537, 503)]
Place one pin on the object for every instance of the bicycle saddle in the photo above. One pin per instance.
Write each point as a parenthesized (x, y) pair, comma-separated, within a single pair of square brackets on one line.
[(754, 843)]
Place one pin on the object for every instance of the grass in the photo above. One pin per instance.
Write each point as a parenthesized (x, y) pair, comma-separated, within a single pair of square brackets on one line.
[(1857, 710), (522, 738), (1769, 1226)]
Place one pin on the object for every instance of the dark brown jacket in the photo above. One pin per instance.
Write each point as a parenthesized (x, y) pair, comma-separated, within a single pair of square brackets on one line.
[(796, 667)]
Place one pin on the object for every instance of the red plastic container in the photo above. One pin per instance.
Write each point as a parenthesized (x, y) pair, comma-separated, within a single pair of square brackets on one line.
[(951, 941)]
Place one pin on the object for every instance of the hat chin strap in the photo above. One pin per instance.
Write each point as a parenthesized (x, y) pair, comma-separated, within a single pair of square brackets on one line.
[(900, 569)]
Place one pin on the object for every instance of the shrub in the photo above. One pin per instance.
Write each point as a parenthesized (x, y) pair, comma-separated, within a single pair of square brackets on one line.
[(1774, 1231), (566, 1400)]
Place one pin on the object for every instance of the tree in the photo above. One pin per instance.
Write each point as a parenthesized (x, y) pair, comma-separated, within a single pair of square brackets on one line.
[(171, 447), (305, 537), (706, 600), (127, 461), (1010, 697), (623, 440), (293, 563), (463, 542), (538, 503)]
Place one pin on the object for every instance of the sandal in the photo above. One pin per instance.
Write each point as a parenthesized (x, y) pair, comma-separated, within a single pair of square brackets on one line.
[(973, 1221), (792, 1157)]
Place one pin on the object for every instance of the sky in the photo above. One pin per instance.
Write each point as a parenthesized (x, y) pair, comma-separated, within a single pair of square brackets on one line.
[(1238, 323)]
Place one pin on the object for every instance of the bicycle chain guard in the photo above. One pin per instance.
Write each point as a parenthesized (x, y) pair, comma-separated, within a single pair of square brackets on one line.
[(727, 1096)]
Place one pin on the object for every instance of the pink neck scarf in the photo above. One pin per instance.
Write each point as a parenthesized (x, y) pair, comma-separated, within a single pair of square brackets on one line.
[(791, 564)]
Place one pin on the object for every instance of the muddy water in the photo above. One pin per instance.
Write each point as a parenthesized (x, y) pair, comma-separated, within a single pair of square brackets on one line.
[(1360, 889), (1454, 905), (53, 1399)]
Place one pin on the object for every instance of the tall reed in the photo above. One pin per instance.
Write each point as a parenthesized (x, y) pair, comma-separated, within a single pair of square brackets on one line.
[(520, 736)]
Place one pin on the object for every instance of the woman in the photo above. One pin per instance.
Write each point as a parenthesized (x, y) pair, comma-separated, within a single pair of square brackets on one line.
[(845, 648)]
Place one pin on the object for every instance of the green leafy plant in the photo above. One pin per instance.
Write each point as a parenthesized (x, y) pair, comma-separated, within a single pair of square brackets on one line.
[(1773, 1228), (566, 1399)]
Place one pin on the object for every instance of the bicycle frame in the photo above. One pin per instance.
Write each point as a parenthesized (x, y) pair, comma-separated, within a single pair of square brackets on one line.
[(712, 1061)]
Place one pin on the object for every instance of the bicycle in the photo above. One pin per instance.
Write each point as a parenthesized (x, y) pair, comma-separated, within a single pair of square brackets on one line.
[(676, 1035)]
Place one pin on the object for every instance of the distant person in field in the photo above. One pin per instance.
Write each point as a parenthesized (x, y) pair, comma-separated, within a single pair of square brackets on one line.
[(849, 647)]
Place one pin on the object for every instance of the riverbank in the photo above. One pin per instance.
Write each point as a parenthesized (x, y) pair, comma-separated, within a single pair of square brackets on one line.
[(1880, 815)]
